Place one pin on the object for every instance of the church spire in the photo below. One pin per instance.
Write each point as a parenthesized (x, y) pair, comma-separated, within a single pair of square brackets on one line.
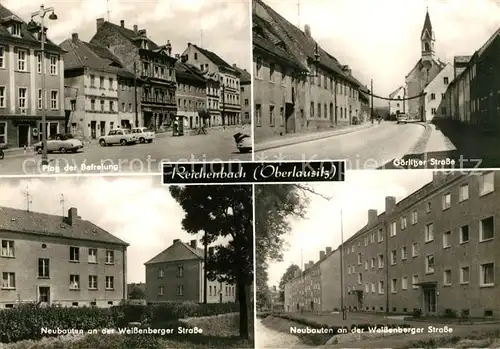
[(427, 38), (427, 24)]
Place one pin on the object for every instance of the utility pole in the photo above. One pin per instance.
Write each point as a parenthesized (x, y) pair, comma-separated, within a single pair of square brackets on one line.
[(61, 201), (404, 99), (344, 317), (205, 272), (223, 104), (28, 199), (372, 112), (135, 96)]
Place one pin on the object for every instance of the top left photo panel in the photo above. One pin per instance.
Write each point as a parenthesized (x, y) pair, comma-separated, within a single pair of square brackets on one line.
[(111, 86)]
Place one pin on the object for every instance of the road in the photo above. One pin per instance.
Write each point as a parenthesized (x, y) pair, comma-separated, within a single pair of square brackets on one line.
[(267, 338), (364, 149), (139, 158)]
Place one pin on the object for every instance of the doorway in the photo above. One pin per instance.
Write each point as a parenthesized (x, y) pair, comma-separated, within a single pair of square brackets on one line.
[(220, 297), (44, 294), (312, 305), (93, 126), (103, 128), (23, 131), (430, 301)]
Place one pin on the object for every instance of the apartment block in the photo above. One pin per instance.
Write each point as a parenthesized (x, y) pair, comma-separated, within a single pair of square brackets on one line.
[(436, 250), (59, 260)]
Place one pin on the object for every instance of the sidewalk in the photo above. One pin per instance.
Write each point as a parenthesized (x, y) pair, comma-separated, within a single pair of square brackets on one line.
[(296, 138), (437, 141)]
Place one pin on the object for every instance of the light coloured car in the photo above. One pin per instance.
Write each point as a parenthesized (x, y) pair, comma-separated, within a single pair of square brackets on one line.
[(143, 134), (118, 136), (402, 118), (60, 143)]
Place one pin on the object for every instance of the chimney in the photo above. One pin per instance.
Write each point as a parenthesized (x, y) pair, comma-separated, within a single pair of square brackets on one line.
[(136, 29), (210, 251), (177, 56), (328, 250), (184, 58), (176, 241), (99, 23), (321, 255), (438, 178), (307, 30), (72, 215), (74, 37), (347, 69), (390, 204), (372, 216), (193, 244), (122, 23), (234, 65)]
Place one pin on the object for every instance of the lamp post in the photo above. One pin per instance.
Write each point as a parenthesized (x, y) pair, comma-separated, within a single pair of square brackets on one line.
[(42, 12), (342, 294)]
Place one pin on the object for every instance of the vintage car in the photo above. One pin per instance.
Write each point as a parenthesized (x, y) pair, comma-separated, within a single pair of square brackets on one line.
[(243, 142), (62, 143), (118, 136), (402, 118), (143, 134)]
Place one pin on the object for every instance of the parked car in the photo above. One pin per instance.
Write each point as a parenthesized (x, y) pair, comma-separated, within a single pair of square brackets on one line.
[(62, 143), (118, 136), (143, 134), (402, 118)]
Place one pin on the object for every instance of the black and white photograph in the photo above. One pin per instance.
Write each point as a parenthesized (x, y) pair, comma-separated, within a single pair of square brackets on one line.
[(376, 83), (125, 263), (123, 85), (340, 265)]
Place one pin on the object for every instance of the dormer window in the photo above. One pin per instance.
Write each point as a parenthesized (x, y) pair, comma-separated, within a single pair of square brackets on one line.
[(144, 45), (15, 29)]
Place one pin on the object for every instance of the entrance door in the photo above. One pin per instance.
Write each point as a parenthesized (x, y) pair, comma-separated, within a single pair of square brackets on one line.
[(102, 126), (93, 127), (429, 301), (312, 305), (190, 122), (44, 294), (220, 297), (53, 128), (23, 135)]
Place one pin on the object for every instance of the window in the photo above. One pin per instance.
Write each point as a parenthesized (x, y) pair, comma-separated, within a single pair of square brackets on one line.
[(8, 280), (366, 240), (102, 105), (463, 193), (53, 65), (464, 275), (392, 229), (74, 282), (360, 278), (161, 273), (180, 271), (447, 277), (486, 183), (40, 99), (414, 282), (92, 255), (110, 257), (367, 288), (487, 275), (7, 248), (372, 237), (433, 96), (43, 268), (381, 287), (373, 287), (92, 81), (403, 222), (21, 60), (429, 264), (54, 100), (39, 63), (74, 254), (394, 285), (429, 232), (464, 234), (445, 80), (414, 249), (15, 30), (404, 283), (110, 283), (486, 229), (428, 208), (2, 57), (380, 260), (404, 253), (180, 290), (111, 106), (92, 104), (359, 258), (111, 82), (161, 290), (130, 107), (447, 239), (393, 257), (23, 92), (271, 115), (446, 201), (92, 282), (414, 217), (373, 263), (101, 82)]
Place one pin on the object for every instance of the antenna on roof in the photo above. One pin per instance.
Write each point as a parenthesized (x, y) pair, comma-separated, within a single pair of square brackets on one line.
[(107, 9), (61, 201), (28, 198)]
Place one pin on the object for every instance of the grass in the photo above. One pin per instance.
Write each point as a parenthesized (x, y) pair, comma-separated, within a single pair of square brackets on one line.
[(283, 325)]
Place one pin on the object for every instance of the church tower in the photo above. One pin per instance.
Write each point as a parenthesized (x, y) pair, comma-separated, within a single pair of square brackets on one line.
[(427, 40)]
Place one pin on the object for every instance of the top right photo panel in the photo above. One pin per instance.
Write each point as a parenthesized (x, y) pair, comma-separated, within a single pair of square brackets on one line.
[(381, 84)]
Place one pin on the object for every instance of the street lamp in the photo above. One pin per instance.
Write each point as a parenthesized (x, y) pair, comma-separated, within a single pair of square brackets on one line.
[(42, 12)]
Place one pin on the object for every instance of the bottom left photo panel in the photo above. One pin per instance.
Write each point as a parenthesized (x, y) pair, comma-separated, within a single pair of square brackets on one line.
[(104, 262)]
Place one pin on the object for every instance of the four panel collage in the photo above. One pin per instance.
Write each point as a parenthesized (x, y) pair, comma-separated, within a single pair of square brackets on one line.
[(249, 174)]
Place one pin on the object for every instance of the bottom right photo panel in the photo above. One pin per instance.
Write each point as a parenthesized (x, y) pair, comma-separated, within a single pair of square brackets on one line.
[(385, 259)]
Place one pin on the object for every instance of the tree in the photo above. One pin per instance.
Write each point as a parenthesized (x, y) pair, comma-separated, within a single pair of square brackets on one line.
[(288, 275), (136, 293), (223, 211)]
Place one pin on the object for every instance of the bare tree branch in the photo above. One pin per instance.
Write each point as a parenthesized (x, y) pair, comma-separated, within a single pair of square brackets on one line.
[(305, 188)]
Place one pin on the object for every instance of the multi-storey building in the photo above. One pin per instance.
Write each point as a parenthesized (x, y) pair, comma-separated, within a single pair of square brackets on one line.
[(397, 102), (229, 79), (91, 74), (436, 250), (177, 274), (245, 95), (59, 260), (191, 94), (21, 81), (153, 64), (298, 85)]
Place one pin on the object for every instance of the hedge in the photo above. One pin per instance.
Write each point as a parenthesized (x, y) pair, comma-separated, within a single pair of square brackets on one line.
[(27, 320)]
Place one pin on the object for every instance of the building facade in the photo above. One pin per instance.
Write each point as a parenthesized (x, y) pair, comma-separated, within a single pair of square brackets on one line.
[(435, 94), (229, 81), (177, 275), (245, 95), (63, 265), (397, 102), (153, 64), (22, 101), (191, 94), (435, 250)]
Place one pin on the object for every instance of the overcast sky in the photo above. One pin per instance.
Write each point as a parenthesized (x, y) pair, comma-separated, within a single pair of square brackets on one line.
[(135, 210), (381, 39), (225, 24), (362, 190)]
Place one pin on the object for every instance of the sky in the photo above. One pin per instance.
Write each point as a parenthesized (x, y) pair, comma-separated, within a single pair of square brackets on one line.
[(380, 40), (136, 210), (225, 24), (309, 236)]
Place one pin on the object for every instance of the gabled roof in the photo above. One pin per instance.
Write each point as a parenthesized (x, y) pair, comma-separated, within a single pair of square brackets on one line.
[(488, 42), (427, 26), (176, 252), (42, 224), (189, 72), (128, 34), (27, 36), (245, 77), (213, 57), (396, 91)]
